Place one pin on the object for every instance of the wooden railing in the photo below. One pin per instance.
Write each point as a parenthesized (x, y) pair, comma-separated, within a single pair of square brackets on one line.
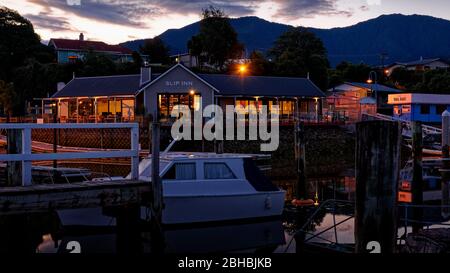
[(26, 156)]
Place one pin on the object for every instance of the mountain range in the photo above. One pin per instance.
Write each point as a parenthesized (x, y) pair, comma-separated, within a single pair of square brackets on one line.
[(400, 37)]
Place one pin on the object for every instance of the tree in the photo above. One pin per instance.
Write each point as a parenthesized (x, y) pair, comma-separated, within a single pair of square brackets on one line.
[(7, 98), (17, 43), (298, 52), (157, 51), (98, 65), (258, 64), (195, 48), (217, 40)]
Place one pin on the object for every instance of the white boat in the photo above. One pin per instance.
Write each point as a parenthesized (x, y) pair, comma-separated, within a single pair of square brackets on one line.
[(208, 187)]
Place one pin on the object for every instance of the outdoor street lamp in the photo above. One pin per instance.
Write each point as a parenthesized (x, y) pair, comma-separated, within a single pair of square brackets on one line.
[(242, 69), (373, 78)]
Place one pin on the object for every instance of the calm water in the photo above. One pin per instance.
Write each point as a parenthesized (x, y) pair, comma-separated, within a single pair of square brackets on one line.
[(93, 232), (90, 231)]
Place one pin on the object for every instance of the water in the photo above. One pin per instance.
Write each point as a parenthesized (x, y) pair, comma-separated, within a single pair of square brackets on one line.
[(95, 232)]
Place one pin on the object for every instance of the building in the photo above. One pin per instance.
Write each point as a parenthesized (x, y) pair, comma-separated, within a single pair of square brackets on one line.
[(419, 65), (186, 59), (72, 50), (419, 107), (118, 98), (352, 99)]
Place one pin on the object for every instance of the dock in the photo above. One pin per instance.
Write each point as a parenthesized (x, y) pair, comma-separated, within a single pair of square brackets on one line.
[(25, 195), (43, 198)]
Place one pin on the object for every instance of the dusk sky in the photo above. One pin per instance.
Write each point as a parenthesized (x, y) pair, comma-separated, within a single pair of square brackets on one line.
[(116, 21)]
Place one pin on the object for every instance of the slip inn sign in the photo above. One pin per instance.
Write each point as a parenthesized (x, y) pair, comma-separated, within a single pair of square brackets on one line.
[(179, 83)]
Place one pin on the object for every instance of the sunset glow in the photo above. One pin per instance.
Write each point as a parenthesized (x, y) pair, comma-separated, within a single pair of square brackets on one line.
[(116, 21)]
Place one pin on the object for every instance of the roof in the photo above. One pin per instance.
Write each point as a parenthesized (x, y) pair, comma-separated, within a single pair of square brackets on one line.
[(100, 86), (347, 86), (367, 100), (67, 44), (262, 86), (226, 85), (421, 62)]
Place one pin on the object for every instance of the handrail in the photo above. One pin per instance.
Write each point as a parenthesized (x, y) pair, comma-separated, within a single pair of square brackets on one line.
[(26, 157)]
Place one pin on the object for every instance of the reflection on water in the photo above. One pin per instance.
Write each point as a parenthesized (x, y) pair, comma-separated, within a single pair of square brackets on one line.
[(100, 233)]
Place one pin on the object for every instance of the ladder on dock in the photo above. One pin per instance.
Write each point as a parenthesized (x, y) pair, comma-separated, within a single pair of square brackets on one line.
[(407, 130)]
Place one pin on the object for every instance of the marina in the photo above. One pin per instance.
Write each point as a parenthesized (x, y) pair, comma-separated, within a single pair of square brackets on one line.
[(226, 140)]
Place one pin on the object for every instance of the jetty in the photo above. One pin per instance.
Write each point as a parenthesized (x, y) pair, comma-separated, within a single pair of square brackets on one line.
[(22, 195)]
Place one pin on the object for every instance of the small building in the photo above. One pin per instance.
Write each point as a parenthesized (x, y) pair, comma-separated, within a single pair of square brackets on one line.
[(186, 59), (419, 107), (353, 99), (118, 98), (68, 50), (419, 65)]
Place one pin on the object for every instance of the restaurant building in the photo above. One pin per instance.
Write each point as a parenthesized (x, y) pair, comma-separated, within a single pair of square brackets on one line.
[(122, 98)]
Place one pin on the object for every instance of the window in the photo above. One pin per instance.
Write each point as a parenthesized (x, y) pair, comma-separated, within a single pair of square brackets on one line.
[(440, 108), (218, 171), (424, 109), (181, 171)]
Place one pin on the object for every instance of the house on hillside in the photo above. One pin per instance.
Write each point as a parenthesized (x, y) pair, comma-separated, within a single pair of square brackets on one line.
[(72, 50), (352, 99), (419, 65), (118, 98)]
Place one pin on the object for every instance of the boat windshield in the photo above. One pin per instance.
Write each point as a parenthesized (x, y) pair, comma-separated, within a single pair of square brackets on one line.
[(145, 167)]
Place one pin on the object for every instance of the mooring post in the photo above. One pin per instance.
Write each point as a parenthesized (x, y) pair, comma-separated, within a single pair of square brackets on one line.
[(300, 189), (13, 146), (377, 169), (157, 191), (417, 179), (156, 179), (445, 164)]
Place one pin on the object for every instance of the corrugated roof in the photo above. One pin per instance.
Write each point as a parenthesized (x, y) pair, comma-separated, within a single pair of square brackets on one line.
[(67, 44), (226, 84), (375, 87), (100, 86), (262, 86)]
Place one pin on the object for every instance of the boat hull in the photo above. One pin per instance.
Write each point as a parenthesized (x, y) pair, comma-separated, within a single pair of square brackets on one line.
[(213, 208)]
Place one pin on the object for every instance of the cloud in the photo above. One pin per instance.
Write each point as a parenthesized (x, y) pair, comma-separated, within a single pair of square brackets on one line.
[(143, 13), (119, 12), (44, 20), (294, 9), (135, 13)]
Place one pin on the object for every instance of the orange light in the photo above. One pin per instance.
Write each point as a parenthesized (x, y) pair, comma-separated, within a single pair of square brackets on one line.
[(369, 81), (405, 197), (242, 69), (192, 92), (386, 71)]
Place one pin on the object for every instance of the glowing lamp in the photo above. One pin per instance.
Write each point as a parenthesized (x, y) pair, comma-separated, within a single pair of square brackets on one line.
[(242, 69)]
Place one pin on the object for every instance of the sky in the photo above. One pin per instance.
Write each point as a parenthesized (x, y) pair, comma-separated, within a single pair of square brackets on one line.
[(115, 21)]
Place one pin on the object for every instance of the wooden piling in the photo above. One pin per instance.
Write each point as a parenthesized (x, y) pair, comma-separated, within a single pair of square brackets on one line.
[(157, 203), (300, 189), (14, 146), (445, 164), (377, 170), (417, 179), (157, 235)]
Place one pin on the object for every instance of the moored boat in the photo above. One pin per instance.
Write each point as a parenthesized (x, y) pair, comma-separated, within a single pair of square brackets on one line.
[(208, 187)]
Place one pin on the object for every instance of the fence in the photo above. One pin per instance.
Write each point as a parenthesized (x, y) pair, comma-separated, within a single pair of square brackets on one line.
[(26, 157)]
